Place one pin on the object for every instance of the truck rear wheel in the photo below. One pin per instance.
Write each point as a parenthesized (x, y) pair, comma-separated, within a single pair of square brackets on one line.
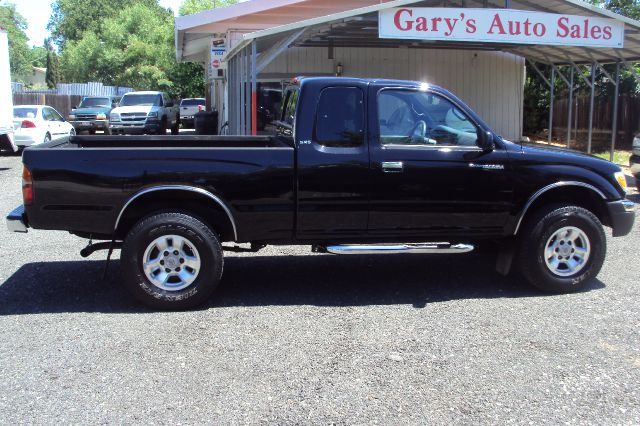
[(171, 261), (562, 248)]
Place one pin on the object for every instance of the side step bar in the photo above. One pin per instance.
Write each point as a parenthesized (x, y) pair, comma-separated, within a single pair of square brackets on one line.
[(421, 248)]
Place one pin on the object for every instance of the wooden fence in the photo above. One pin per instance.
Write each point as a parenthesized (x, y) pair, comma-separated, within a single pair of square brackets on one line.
[(62, 103), (628, 121)]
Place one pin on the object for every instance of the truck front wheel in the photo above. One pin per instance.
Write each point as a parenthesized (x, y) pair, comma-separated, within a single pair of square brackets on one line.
[(562, 248), (171, 261)]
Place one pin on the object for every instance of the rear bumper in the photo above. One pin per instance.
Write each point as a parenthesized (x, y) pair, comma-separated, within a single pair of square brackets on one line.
[(622, 214), (634, 163), (17, 220)]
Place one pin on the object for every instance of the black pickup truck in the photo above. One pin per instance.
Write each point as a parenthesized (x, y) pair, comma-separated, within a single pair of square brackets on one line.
[(357, 167)]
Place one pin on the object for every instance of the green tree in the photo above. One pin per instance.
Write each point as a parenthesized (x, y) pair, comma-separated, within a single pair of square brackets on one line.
[(190, 7), (39, 56), (53, 76), (19, 52), (70, 19)]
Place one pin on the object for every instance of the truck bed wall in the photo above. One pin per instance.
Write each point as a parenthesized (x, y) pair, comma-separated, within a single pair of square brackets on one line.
[(84, 189)]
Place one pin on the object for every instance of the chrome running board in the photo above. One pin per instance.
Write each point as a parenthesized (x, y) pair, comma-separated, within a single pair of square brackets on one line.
[(420, 248)]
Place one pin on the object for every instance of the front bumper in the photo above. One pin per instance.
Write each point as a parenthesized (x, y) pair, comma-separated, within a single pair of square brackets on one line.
[(136, 128), (622, 214), (17, 220), (90, 125)]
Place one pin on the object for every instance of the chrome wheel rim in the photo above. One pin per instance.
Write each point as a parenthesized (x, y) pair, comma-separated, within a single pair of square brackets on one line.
[(567, 251), (171, 262)]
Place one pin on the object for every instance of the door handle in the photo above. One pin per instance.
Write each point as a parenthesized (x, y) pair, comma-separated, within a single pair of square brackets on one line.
[(392, 166)]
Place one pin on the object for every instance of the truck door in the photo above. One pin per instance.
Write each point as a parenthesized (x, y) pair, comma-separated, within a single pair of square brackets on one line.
[(333, 162), (429, 175)]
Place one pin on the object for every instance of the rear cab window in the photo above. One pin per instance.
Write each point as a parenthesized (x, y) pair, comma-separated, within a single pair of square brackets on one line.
[(340, 117)]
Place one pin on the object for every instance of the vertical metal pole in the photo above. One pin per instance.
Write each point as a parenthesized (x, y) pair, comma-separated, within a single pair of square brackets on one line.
[(570, 109), (616, 102), (254, 90), (552, 99), (591, 107), (242, 99)]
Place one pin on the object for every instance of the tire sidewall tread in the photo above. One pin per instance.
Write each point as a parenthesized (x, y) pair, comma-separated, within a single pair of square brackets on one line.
[(169, 223), (537, 231)]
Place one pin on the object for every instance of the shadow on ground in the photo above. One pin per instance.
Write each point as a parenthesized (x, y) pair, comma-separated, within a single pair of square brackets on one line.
[(52, 287)]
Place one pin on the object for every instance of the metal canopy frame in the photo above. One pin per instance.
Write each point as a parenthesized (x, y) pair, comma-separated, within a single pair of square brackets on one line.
[(359, 28)]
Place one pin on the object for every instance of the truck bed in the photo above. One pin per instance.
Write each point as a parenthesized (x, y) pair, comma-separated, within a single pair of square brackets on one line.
[(83, 184), (171, 141)]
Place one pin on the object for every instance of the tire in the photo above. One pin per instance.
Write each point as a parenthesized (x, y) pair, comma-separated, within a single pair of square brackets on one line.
[(176, 127), (175, 294), (564, 231), (163, 127)]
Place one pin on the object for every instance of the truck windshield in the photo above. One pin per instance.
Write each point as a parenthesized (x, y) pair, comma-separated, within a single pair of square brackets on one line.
[(144, 100), (95, 102), (192, 102)]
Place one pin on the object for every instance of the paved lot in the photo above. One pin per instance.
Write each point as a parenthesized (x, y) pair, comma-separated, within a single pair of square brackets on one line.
[(299, 338)]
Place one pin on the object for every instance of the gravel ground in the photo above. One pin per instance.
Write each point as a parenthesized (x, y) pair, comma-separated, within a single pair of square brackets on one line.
[(295, 338)]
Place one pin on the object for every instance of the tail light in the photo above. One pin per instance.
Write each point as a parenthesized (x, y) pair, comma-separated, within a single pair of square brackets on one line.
[(28, 124), (27, 186), (201, 108)]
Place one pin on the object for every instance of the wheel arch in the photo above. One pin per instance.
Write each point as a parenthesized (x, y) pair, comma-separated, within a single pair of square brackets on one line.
[(200, 202), (577, 193)]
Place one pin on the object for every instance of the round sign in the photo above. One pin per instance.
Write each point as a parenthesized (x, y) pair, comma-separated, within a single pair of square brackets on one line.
[(216, 63)]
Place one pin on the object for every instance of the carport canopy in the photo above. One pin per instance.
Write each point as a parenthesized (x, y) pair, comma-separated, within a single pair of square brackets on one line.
[(344, 24)]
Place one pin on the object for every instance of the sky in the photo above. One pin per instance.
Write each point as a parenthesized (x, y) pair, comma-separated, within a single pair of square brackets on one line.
[(37, 13)]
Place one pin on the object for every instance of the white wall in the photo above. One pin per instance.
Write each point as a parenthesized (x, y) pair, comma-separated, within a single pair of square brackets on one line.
[(492, 83)]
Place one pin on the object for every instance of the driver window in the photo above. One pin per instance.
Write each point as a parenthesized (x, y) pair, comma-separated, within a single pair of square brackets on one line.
[(409, 117)]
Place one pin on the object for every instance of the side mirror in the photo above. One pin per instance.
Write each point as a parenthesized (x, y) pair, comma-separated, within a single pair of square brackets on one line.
[(486, 141)]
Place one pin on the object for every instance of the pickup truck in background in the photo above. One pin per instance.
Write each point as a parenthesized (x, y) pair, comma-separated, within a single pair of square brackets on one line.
[(93, 113), (634, 160), (189, 107), (145, 113), (357, 167)]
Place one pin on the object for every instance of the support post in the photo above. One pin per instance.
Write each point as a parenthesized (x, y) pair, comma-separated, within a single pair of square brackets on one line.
[(552, 98), (591, 107), (254, 90), (616, 102), (243, 109), (569, 119)]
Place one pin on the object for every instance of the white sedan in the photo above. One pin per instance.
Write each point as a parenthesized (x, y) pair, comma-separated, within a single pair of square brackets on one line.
[(34, 124)]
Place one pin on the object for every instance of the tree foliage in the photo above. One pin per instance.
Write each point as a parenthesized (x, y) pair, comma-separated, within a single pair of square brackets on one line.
[(53, 75), (19, 52), (190, 7)]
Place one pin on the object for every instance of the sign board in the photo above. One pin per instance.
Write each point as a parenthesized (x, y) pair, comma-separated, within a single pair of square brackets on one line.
[(499, 26), (218, 48)]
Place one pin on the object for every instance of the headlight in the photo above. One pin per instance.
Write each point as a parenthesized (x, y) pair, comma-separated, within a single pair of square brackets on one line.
[(101, 116), (153, 115), (72, 117), (115, 116), (622, 180)]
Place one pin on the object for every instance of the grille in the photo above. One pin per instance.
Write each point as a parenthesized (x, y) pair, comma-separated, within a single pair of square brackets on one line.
[(86, 116), (133, 116)]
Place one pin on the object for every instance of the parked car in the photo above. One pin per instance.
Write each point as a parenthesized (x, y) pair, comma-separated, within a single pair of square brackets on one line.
[(373, 167), (6, 97), (188, 109), (634, 161), (145, 112), (36, 124), (93, 113)]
